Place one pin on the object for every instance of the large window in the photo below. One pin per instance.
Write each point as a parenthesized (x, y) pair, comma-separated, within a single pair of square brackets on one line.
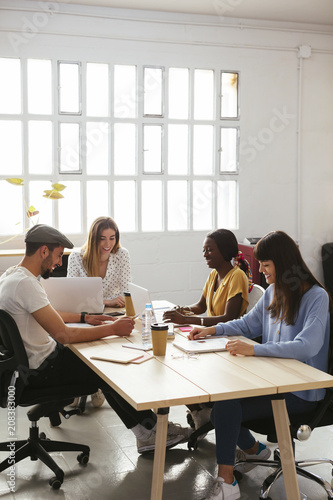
[(155, 147)]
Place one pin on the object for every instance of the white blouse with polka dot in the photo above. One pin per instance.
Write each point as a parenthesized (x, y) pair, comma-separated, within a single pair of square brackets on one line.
[(118, 272)]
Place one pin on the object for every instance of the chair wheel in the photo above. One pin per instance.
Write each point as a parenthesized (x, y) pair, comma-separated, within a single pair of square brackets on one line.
[(192, 446), (83, 458), (55, 483), (42, 435)]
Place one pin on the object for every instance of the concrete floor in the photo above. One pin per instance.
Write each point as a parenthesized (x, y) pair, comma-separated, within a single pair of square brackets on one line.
[(116, 471)]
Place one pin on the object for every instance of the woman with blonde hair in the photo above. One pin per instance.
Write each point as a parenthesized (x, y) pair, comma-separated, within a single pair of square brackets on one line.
[(102, 255)]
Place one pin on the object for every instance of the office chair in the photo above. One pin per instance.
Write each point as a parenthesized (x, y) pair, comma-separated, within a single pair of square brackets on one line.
[(47, 403), (256, 293), (301, 427)]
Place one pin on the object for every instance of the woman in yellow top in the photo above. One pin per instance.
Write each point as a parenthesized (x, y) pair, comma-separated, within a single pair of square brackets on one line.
[(224, 297), (225, 294)]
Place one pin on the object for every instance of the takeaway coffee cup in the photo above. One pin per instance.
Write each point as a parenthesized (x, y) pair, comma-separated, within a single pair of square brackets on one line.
[(159, 335)]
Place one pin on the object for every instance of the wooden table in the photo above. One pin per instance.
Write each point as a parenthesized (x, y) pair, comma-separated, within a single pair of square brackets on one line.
[(174, 379)]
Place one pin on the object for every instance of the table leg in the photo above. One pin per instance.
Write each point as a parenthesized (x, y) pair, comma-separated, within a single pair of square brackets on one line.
[(159, 456), (281, 420)]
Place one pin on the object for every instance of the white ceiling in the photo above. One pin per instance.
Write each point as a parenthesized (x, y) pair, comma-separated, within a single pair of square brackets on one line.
[(304, 11)]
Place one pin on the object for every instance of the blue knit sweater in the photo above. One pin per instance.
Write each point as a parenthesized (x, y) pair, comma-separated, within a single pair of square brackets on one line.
[(307, 340)]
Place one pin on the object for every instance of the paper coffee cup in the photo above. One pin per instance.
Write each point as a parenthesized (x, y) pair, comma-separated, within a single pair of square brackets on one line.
[(159, 335)]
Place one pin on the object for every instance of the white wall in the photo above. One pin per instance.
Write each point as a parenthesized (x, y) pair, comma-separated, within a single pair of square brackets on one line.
[(286, 174)]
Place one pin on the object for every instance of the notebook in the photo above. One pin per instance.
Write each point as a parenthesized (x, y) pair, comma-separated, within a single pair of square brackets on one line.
[(202, 345), (75, 294)]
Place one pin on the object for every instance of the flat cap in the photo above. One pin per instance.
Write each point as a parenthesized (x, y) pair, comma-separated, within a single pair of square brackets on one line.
[(41, 233)]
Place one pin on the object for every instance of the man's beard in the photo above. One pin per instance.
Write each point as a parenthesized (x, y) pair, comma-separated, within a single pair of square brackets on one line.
[(46, 274), (45, 270)]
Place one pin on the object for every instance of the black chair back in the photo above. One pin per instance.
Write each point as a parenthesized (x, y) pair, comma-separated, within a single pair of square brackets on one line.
[(13, 357)]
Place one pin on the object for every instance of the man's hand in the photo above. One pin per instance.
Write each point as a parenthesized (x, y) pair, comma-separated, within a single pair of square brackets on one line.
[(122, 326), (97, 319), (240, 347), (200, 332)]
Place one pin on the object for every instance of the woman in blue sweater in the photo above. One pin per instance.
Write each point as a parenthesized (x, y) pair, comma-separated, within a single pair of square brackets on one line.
[(293, 319)]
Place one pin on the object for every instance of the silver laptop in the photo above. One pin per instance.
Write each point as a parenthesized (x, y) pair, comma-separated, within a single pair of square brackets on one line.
[(75, 294), (141, 297), (202, 345)]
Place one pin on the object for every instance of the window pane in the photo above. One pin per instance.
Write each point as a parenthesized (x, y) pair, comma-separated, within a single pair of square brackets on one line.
[(39, 87), (228, 150), (10, 85), (152, 148), (12, 201), (152, 206), (125, 205), (70, 208), (178, 149), (97, 190), (44, 205), (177, 205), (229, 95), (125, 94), (178, 93), (40, 147), (203, 94), (70, 147), (97, 148), (124, 148), (69, 88), (227, 204), (153, 91), (202, 205), (203, 144), (97, 89), (10, 147)]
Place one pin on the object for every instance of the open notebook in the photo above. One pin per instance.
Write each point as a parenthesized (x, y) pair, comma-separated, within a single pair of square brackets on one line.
[(75, 294), (202, 345)]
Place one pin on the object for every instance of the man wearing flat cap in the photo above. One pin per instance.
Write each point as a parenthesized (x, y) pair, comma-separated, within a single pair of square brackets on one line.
[(44, 332)]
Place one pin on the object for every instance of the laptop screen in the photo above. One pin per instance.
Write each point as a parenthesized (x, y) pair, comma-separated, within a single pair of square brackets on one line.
[(75, 294)]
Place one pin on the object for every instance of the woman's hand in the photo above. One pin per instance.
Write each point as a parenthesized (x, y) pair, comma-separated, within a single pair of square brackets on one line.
[(200, 332), (97, 319), (175, 317), (116, 302), (240, 347)]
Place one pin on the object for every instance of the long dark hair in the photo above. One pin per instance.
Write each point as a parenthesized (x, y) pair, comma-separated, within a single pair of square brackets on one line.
[(292, 276)]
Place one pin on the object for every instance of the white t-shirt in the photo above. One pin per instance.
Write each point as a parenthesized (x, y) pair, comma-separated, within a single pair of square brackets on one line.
[(21, 294)]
